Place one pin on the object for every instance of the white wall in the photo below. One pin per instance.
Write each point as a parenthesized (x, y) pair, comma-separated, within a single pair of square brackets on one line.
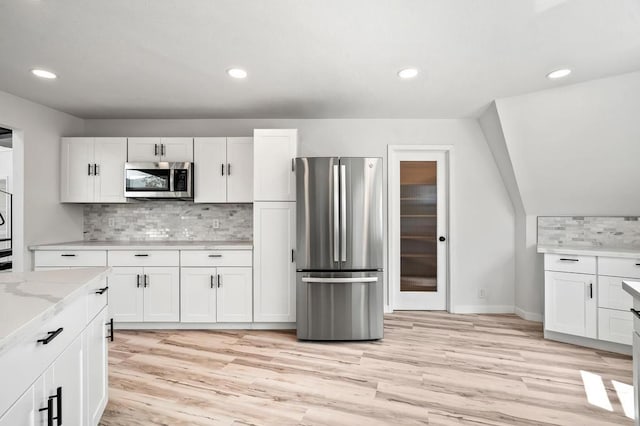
[(6, 165), (38, 215), (482, 244)]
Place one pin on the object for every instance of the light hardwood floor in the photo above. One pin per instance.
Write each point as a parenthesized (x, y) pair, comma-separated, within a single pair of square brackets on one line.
[(431, 368)]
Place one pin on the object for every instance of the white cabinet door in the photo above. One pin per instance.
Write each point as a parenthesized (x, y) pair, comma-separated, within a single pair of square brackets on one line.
[(110, 156), (274, 228), (143, 149), (198, 294), (126, 294), (95, 378), (240, 170), (176, 150), (274, 151), (615, 326), (636, 377), (210, 170), (234, 295), (570, 304), (76, 170), (67, 377), (161, 294), (23, 412)]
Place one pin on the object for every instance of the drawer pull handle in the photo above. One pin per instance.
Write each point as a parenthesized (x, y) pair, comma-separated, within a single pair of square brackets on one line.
[(68, 255), (637, 264), (110, 324), (564, 259), (141, 255), (49, 410), (102, 290), (215, 255), (636, 312), (52, 335)]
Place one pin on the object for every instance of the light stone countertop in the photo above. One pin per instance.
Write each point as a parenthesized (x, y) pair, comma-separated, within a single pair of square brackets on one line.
[(146, 245), (29, 299), (632, 287), (591, 251)]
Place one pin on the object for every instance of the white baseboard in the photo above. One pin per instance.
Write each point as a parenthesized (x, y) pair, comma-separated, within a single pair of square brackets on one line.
[(482, 309), (204, 326), (529, 316), (590, 343)]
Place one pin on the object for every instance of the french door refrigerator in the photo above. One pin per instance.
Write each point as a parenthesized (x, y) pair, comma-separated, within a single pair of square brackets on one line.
[(339, 251)]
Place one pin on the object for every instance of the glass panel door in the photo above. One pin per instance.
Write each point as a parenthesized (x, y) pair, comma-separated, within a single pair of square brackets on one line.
[(418, 226)]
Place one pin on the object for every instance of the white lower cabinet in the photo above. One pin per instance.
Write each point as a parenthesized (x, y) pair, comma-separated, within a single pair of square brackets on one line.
[(636, 376), (615, 326), (570, 304), (95, 373), (150, 294), (63, 381), (24, 411), (216, 295)]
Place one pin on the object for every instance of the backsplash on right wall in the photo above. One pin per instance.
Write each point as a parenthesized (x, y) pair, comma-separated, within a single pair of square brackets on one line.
[(589, 231)]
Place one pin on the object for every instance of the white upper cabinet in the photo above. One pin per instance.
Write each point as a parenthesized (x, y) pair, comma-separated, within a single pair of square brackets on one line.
[(274, 151), (153, 149), (223, 170), (210, 170), (240, 170), (92, 170)]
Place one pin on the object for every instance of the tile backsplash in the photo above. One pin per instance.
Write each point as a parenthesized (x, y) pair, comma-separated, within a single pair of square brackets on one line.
[(167, 220), (589, 231)]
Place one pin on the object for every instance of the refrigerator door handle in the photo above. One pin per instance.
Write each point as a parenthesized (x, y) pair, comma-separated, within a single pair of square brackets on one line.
[(343, 213), (339, 280), (336, 214)]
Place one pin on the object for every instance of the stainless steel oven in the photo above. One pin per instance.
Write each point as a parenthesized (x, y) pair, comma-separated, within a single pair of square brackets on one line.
[(158, 180)]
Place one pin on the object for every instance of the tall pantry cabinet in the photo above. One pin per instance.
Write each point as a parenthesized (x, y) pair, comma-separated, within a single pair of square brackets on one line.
[(274, 226)]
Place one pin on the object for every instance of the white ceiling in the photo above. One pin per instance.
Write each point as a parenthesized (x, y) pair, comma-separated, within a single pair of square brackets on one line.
[(306, 59)]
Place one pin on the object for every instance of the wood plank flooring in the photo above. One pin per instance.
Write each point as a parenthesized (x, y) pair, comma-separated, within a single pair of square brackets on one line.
[(431, 368)]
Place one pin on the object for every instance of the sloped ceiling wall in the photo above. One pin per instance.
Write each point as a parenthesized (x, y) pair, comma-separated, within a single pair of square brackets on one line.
[(575, 150)]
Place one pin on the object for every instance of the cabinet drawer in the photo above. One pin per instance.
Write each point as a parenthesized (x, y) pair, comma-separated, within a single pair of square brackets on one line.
[(619, 267), (96, 297), (570, 263), (144, 258), (615, 326), (77, 258), (216, 257), (21, 364), (611, 295)]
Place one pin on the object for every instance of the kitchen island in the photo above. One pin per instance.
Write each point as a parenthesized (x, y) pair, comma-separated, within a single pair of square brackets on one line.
[(53, 346)]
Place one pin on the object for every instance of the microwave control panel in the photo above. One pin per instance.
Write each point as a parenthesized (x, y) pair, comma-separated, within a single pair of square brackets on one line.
[(180, 180)]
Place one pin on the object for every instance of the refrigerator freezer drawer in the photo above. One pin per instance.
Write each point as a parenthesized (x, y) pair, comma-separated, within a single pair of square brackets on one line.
[(339, 308)]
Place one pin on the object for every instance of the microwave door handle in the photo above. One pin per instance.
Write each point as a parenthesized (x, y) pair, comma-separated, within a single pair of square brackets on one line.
[(336, 214), (343, 213)]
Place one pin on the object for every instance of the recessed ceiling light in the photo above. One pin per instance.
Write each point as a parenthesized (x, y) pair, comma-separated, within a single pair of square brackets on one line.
[(559, 73), (237, 73), (408, 73), (43, 74)]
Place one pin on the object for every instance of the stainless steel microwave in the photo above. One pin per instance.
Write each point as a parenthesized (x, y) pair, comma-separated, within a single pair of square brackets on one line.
[(158, 180)]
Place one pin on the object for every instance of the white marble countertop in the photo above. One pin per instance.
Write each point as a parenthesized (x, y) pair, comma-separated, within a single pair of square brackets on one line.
[(632, 287), (145, 245), (28, 299), (591, 251)]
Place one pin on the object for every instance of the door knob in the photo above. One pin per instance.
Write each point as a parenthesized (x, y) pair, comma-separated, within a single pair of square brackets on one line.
[(442, 239)]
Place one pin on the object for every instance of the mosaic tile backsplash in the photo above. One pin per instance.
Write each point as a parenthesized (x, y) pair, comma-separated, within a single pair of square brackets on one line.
[(589, 231), (167, 220)]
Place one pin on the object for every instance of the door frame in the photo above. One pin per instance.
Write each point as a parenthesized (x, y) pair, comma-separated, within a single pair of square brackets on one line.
[(393, 200)]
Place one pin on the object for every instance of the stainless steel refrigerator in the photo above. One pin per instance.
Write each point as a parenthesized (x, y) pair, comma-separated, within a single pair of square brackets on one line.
[(339, 251)]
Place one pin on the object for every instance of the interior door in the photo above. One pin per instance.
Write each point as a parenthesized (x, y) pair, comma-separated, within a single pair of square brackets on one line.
[(210, 174), (361, 226), (317, 213), (240, 170), (419, 210)]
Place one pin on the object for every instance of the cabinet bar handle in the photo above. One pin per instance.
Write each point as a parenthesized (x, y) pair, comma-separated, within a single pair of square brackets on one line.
[(293, 164), (49, 410), (590, 290), (68, 255), (58, 397), (636, 312), (155, 151), (102, 290), (215, 255), (228, 169), (219, 281), (138, 280), (222, 169), (110, 324), (564, 259), (89, 169), (637, 264), (161, 149), (96, 169), (146, 280), (211, 281), (292, 256), (52, 335), (141, 255)]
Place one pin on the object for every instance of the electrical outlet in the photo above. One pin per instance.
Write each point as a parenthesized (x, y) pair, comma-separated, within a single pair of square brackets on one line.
[(112, 222), (216, 224), (482, 293)]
